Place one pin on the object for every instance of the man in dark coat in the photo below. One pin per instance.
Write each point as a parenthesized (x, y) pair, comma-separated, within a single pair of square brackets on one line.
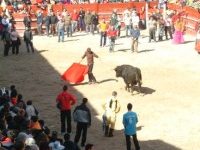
[(47, 23), (53, 20), (82, 116), (28, 37), (6, 38), (27, 20), (95, 22), (39, 22)]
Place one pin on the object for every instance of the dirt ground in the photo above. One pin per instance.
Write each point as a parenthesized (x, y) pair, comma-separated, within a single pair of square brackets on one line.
[(168, 108)]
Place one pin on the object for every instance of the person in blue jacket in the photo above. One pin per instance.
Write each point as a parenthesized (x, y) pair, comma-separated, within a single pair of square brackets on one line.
[(130, 120)]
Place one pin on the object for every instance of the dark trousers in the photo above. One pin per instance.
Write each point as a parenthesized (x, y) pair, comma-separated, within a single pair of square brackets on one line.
[(81, 128), (39, 29), (15, 47), (152, 35), (29, 43), (103, 38), (6, 48), (128, 142), (53, 29), (63, 116), (168, 29), (119, 31), (69, 30), (47, 29), (81, 24), (90, 74)]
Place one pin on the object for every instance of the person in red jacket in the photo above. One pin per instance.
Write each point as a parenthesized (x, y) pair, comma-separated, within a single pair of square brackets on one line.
[(64, 101), (112, 34), (75, 17)]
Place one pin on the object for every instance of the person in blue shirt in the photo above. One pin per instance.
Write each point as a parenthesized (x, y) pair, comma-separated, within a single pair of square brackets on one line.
[(130, 120), (135, 33)]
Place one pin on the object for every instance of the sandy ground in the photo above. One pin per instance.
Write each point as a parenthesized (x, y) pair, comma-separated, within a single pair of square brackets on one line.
[(168, 109)]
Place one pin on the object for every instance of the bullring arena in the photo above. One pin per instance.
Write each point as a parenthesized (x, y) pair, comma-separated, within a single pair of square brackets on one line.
[(168, 108)]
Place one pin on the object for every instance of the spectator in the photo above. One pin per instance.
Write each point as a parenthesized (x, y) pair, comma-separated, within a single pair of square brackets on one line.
[(68, 24), (30, 110), (103, 32), (15, 41), (5, 22), (55, 143), (89, 147), (112, 107), (6, 38), (168, 27), (152, 29), (112, 34), (129, 121), (179, 30), (65, 100), (161, 28), (95, 22), (47, 23), (75, 17), (127, 22), (27, 20), (28, 37), (88, 21), (39, 17), (135, 18), (89, 54), (135, 34), (20, 120), (81, 19), (13, 91), (82, 116), (69, 145), (34, 124), (114, 18), (61, 29), (53, 21)]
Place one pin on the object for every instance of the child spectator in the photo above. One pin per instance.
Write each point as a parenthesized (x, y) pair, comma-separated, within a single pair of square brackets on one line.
[(34, 124), (112, 34), (30, 110), (69, 145), (55, 142)]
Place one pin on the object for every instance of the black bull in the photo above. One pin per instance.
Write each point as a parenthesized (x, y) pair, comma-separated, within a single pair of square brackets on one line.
[(131, 75)]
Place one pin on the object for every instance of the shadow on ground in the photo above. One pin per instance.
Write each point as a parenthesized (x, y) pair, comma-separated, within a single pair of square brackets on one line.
[(146, 50), (98, 82)]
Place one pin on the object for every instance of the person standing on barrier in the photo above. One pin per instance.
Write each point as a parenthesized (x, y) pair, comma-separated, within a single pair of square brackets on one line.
[(130, 120)]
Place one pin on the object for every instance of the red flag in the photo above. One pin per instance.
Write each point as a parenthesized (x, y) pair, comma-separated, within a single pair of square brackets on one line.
[(75, 73)]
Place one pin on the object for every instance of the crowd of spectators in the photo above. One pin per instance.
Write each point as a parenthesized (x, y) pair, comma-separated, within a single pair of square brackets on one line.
[(21, 127)]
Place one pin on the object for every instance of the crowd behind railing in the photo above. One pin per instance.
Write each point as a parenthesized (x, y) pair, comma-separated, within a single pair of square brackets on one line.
[(161, 24)]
